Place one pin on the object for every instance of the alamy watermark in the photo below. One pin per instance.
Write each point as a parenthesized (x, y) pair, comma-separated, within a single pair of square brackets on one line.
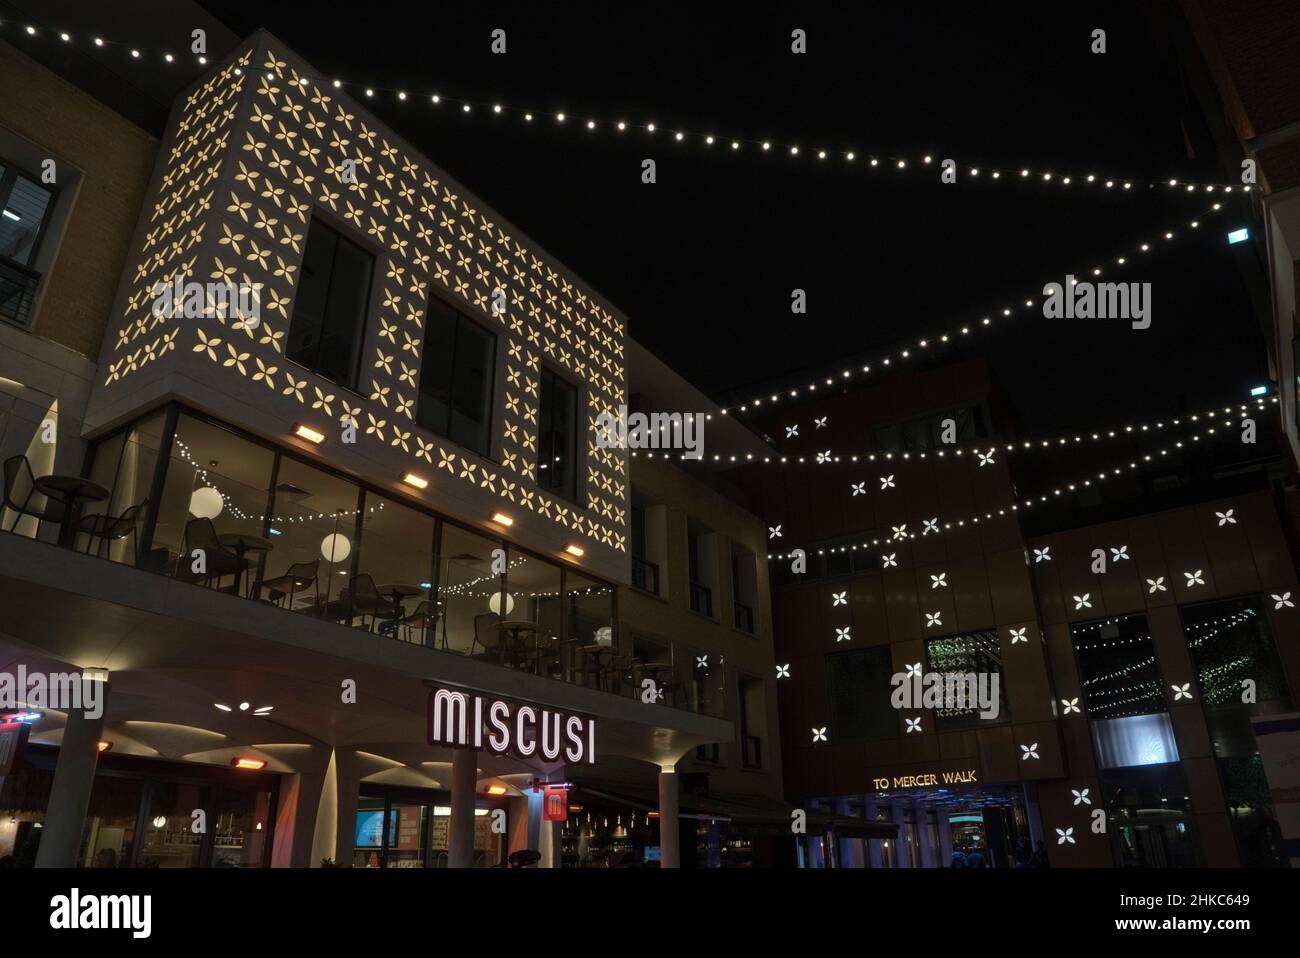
[(1086, 300), (979, 691), (64, 691), (193, 300), (657, 430)]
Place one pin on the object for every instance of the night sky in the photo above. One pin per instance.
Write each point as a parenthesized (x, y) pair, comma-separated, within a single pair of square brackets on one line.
[(704, 261)]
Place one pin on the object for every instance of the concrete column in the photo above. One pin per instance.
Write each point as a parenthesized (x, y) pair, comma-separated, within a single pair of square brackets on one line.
[(929, 854), (903, 854), (945, 835), (670, 842), (464, 784), (1032, 815), (347, 789), (303, 797), (849, 853), (535, 801), (74, 777), (874, 857)]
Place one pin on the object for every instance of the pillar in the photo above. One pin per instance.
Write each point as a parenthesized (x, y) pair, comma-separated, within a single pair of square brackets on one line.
[(902, 853), (850, 849), (303, 797), (945, 835), (874, 858), (74, 777), (347, 789), (464, 785), (929, 854), (670, 841), (1033, 817)]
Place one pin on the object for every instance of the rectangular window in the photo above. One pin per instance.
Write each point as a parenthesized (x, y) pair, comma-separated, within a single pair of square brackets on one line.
[(860, 691), (329, 310), (25, 206), (456, 372), (960, 657), (557, 437)]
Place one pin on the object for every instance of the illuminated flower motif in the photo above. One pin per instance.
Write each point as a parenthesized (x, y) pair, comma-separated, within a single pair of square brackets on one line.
[(820, 423), (1283, 601), (206, 345), (890, 560), (1018, 635), (1028, 751), (791, 431), (886, 482), (783, 671), (986, 458), (842, 635), (701, 661), (1119, 554), (1081, 601), (1194, 578), (1065, 837), (839, 598), (939, 581), (1071, 705), (774, 532), (824, 456), (1043, 555), (1226, 519), (913, 669), (819, 734), (294, 388), (1183, 691), (1156, 585), (859, 488), (1081, 796), (913, 725), (933, 618), (900, 532), (931, 525)]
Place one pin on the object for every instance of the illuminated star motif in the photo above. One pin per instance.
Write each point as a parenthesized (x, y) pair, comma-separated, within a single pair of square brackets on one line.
[(1183, 691), (1118, 555), (986, 458), (842, 635), (820, 423), (1194, 578), (1043, 555), (1028, 751), (824, 456), (933, 619), (819, 734), (1283, 601), (701, 661), (1018, 635), (1071, 705), (913, 725), (886, 482), (839, 598), (1156, 585), (913, 670), (900, 532), (783, 671), (1226, 519), (774, 532), (860, 488), (930, 525), (1082, 601), (791, 431), (1065, 837), (939, 581), (890, 560), (1081, 796)]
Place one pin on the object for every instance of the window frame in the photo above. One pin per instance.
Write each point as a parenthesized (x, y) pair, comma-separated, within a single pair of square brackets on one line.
[(579, 446), (461, 317)]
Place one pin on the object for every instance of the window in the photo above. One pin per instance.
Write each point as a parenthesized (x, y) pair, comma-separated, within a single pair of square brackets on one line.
[(557, 445), (750, 704), (329, 311), (700, 555), (456, 371), (645, 574), (25, 207), (975, 656), (860, 692), (744, 588)]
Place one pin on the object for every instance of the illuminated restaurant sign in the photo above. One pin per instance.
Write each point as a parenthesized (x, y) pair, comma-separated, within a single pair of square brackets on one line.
[(964, 777), (465, 720)]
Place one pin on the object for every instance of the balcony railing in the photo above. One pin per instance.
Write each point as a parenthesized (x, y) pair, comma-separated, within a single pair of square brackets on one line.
[(744, 617), (645, 575), (17, 291), (701, 599)]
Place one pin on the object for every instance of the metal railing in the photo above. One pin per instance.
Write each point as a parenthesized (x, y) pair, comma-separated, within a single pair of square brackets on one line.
[(17, 291)]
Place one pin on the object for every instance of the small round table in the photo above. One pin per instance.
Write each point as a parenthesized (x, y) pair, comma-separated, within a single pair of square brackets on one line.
[(242, 543), (68, 490), (515, 628), (396, 592)]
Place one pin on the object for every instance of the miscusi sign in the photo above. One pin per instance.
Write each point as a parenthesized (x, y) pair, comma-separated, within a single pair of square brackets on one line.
[(465, 720)]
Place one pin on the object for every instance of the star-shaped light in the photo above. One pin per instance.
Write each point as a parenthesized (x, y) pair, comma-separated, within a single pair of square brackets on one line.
[(1065, 837), (889, 560), (1043, 555), (913, 725), (1283, 601), (1183, 691), (1071, 705), (791, 431), (1194, 578), (820, 423), (1156, 585), (913, 670), (939, 581), (1028, 751), (819, 734), (824, 456), (1081, 796), (932, 619), (842, 635), (860, 488), (886, 482), (900, 532), (774, 532), (1118, 555), (1082, 601), (986, 458), (783, 671), (1018, 635), (840, 598), (701, 661), (1226, 519), (930, 525)]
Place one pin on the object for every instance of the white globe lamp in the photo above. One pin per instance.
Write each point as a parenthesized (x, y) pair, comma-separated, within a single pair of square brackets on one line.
[(206, 503), (335, 547), (495, 603)]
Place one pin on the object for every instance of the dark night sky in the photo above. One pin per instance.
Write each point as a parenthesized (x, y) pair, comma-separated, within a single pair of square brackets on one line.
[(703, 261)]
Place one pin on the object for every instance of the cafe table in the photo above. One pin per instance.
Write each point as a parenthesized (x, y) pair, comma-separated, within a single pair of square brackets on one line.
[(243, 543), (69, 490)]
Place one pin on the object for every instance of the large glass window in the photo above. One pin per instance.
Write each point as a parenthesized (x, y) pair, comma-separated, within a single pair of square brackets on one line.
[(470, 617), (557, 437), (329, 309), (1150, 816), (976, 655), (860, 692), (24, 215), (397, 554), (125, 465), (456, 371), (531, 608)]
